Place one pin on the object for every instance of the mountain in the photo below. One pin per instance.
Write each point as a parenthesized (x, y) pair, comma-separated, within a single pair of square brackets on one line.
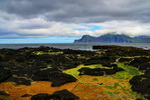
[(141, 37), (86, 38), (113, 38)]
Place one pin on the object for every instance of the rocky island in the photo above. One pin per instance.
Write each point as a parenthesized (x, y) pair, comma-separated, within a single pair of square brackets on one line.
[(44, 73)]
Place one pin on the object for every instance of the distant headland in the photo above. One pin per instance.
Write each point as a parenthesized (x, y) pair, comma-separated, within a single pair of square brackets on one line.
[(113, 38)]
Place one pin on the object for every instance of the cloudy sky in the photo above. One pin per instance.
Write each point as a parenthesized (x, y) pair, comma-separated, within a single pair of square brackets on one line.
[(62, 21)]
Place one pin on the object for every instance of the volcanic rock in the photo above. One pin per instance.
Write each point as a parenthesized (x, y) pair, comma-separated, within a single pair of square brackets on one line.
[(65, 95), (41, 96), (4, 74)]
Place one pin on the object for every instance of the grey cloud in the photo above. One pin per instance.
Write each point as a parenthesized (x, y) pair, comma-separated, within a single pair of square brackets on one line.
[(42, 18), (79, 10)]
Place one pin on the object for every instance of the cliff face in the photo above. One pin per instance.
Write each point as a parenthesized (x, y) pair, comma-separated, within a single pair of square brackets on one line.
[(112, 38)]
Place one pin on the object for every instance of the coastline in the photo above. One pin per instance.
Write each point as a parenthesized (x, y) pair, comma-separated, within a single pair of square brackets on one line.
[(104, 73)]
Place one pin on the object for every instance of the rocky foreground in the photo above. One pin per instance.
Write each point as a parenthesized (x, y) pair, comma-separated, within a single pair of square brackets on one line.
[(44, 73)]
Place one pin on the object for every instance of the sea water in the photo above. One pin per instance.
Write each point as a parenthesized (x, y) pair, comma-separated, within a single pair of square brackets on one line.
[(75, 46)]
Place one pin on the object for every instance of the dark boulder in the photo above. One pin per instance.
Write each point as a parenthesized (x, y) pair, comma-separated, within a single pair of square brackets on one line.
[(135, 80), (141, 84), (137, 62), (64, 95), (99, 71), (41, 96), (59, 78), (110, 71), (56, 77), (117, 69), (93, 72)]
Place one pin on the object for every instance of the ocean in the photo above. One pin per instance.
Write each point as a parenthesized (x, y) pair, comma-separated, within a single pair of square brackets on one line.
[(75, 46)]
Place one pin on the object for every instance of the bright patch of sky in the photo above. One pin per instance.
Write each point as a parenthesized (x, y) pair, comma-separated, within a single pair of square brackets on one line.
[(89, 28)]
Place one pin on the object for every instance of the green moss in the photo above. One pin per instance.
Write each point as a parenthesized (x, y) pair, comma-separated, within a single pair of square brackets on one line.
[(129, 69), (74, 71)]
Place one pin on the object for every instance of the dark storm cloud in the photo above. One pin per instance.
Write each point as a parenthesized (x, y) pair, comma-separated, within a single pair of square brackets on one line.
[(79, 10)]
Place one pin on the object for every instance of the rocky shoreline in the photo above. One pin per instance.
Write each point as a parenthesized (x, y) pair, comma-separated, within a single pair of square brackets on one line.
[(26, 65)]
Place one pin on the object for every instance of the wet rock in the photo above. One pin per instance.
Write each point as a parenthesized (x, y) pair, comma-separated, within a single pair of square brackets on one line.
[(4, 93), (4, 74), (41, 96), (65, 95)]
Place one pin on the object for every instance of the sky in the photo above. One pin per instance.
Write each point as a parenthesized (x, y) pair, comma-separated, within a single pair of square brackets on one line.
[(63, 21)]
